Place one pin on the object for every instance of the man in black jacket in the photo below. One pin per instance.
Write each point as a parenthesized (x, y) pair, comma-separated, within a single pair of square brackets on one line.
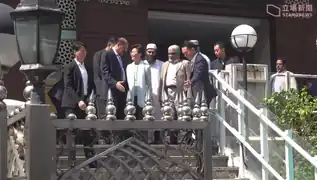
[(99, 83), (79, 84), (222, 58)]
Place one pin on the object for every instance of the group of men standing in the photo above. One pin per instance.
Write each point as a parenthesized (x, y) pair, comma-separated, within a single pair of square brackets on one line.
[(176, 79), (145, 73)]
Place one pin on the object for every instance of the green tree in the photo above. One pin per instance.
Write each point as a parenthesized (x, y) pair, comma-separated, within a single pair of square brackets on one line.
[(297, 111)]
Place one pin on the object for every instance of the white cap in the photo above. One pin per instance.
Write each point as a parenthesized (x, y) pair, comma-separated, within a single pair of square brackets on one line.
[(151, 46)]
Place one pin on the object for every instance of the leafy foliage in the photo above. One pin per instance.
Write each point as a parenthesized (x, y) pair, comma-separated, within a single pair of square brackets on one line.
[(297, 111)]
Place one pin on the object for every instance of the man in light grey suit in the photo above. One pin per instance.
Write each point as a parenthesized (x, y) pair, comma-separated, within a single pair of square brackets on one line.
[(174, 74)]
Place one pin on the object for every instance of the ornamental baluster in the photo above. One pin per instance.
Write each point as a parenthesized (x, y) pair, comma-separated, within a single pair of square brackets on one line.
[(130, 109), (167, 109), (148, 109), (196, 109), (204, 108), (186, 109), (91, 110), (110, 108), (180, 106)]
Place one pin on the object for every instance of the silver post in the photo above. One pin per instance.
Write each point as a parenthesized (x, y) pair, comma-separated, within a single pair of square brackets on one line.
[(3, 132), (196, 109), (110, 108), (186, 110), (148, 109), (130, 109), (70, 141), (180, 106), (91, 110), (204, 108), (167, 110), (27, 91)]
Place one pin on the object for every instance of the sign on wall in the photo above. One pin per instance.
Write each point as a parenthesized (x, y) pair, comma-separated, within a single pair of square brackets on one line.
[(291, 9)]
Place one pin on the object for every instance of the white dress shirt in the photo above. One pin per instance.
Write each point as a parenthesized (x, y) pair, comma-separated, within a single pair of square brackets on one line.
[(84, 75), (171, 74), (121, 63)]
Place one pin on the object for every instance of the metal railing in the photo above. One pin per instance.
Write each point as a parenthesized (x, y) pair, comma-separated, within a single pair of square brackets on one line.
[(42, 133), (287, 76), (223, 89)]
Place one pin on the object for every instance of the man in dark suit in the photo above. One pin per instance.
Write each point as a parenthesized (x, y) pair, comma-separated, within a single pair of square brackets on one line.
[(113, 73), (99, 83), (79, 84), (199, 79), (222, 58)]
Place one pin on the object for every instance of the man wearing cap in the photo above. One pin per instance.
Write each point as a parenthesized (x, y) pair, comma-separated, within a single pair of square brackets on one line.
[(155, 68), (196, 42)]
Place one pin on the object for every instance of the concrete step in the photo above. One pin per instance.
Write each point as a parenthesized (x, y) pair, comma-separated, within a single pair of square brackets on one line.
[(218, 173)]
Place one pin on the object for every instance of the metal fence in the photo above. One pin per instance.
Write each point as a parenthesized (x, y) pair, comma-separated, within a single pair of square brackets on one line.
[(265, 124), (50, 147)]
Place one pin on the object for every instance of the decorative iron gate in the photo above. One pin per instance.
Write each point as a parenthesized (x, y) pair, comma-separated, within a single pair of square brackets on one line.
[(132, 159)]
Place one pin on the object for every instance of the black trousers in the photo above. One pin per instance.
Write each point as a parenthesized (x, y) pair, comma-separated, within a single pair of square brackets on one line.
[(139, 116), (86, 137), (60, 111)]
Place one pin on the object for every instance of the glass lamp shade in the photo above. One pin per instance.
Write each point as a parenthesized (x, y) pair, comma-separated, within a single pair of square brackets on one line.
[(243, 38), (38, 35)]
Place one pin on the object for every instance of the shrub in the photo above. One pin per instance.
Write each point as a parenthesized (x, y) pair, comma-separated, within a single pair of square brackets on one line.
[(297, 111)]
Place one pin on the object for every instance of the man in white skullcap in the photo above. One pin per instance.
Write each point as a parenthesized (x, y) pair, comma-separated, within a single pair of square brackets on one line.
[(155, 68), (196, 42)]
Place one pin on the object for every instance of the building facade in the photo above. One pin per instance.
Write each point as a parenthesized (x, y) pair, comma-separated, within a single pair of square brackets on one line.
[(94, 21)]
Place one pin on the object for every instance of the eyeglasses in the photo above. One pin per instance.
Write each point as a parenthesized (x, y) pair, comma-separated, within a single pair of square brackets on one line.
[(171, 53)]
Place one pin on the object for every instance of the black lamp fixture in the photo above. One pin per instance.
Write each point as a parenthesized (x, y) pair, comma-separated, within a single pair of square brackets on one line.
[(37, 25), (243, 39)]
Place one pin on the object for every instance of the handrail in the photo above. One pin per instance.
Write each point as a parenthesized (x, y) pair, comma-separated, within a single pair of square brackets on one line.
[(265, 120), (248, 146), (287, 75)]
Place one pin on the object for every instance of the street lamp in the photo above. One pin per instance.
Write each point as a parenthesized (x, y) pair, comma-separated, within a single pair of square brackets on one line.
[(243, 39), (37, 25)]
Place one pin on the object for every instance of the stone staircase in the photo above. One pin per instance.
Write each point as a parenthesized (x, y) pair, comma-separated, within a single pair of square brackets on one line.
[(221, 170)]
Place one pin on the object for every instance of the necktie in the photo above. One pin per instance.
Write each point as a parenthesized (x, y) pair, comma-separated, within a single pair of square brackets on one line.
[(121, 66)]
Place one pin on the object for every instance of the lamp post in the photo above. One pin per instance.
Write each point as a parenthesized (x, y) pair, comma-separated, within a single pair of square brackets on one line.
[(37, 25), (243, 39)]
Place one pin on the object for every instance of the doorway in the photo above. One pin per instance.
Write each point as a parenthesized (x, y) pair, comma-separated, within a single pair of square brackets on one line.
[(166, 28)]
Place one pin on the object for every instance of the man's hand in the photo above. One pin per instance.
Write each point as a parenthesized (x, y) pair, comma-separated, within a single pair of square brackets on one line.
[(82, 105), (120, 87), (187, 84)]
